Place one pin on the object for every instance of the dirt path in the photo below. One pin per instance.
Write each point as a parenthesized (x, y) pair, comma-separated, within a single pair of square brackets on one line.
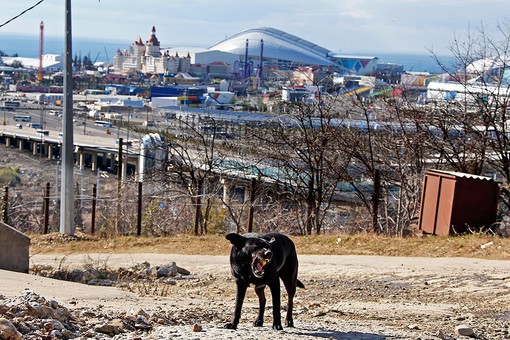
[(346, 297)]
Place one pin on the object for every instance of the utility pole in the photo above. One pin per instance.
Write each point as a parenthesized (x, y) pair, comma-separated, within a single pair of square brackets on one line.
[(67, 188)]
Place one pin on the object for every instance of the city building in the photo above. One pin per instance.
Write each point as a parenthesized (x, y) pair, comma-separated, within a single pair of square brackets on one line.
[(149, 58), (307, 75), (362, 65), (250, 53), (484, 81), (278, 49)]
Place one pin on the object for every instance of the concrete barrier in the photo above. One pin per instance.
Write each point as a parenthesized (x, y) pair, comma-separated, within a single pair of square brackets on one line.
[(14, 249)]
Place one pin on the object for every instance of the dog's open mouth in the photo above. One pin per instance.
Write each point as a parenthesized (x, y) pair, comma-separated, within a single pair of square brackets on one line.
[(259, 265)]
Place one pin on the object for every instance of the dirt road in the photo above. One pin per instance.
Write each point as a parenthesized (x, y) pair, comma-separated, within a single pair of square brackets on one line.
[(346, 297)]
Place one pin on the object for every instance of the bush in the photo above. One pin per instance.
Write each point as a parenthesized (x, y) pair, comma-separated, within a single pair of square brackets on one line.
[(9, 176)]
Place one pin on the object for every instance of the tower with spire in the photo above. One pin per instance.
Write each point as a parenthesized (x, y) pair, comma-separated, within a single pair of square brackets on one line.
[(152, 47)]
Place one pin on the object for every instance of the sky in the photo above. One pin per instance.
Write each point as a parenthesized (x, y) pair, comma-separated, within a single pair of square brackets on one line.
[(344, 26)]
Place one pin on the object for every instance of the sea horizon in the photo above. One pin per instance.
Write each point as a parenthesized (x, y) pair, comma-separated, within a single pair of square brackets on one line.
[(104, 51)]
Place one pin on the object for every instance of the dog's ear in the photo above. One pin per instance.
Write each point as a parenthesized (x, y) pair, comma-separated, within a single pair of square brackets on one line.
[(236, 239)]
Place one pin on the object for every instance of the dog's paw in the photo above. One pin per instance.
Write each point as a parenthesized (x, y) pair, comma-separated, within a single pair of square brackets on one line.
[(230, 326), (289, 323), (277, 327), (258, 323)]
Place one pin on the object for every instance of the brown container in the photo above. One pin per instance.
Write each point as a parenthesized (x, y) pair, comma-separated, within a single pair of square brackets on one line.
[(453, 202)]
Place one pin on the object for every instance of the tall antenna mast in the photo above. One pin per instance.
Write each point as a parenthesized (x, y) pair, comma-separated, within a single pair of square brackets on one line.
[(41, 44), (246, 75), (261, 68)]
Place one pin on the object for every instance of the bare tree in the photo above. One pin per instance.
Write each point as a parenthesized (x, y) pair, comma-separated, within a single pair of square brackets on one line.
[(194, 163), (300, 146), (381, 138), (480, 106)]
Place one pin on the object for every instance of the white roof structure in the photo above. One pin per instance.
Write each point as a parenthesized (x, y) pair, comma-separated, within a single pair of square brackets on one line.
[(455, 91), (277, 45), (486, 64), (49, 62)]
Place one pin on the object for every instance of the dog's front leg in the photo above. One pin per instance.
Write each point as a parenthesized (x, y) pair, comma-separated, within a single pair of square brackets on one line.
[(241, 292), (262, 306), (275, 294)]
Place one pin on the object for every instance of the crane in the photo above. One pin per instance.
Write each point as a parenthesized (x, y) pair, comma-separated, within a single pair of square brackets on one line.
[(97, 56), (106, 54)]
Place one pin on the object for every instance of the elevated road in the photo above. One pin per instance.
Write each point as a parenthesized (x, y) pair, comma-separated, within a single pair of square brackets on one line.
[(93, 146)]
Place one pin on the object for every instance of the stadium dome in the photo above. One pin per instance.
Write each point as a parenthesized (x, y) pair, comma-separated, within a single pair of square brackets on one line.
[(280, 47)]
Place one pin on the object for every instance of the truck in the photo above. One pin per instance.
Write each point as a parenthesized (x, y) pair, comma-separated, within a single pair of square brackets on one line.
[(55, 113), (94, 114), (149, 123), (112, 115), (35, 125)]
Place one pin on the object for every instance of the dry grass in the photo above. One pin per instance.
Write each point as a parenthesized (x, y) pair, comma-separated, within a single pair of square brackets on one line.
[(474, 245)]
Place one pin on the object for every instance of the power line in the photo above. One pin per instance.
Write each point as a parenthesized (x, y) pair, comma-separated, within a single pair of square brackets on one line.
[(17, 16)]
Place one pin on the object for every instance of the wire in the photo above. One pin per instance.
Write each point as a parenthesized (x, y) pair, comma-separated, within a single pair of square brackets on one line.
[(17, 16)]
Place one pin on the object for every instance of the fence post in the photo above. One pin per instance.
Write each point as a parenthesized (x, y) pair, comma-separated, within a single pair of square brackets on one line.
[(139, 213), (253, 183), (119, 184), (5, 201), (119, 164), (46, 208), (376, 189), (93, 217), (198, 204)]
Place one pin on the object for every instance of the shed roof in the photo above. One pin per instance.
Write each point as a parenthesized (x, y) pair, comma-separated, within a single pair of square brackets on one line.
[(462, 175)]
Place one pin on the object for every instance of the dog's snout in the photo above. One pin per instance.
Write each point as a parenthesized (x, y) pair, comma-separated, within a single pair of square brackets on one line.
[(268, 254)]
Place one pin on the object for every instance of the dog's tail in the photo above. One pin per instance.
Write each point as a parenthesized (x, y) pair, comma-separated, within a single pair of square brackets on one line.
[(300, 284)]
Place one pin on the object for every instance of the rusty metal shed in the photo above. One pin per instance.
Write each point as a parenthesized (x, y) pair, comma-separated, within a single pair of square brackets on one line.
[(453, 202)]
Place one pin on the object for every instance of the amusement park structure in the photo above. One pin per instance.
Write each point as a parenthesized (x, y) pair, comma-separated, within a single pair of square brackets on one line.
[(41, 44), (246, 72)]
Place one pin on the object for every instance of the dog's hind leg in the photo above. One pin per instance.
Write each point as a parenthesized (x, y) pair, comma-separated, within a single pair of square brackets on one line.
[(288, 274), (290, 286), (241, 292), (262, 306)]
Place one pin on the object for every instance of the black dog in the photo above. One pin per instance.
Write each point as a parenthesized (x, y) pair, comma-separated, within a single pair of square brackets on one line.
[(263, 259)]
